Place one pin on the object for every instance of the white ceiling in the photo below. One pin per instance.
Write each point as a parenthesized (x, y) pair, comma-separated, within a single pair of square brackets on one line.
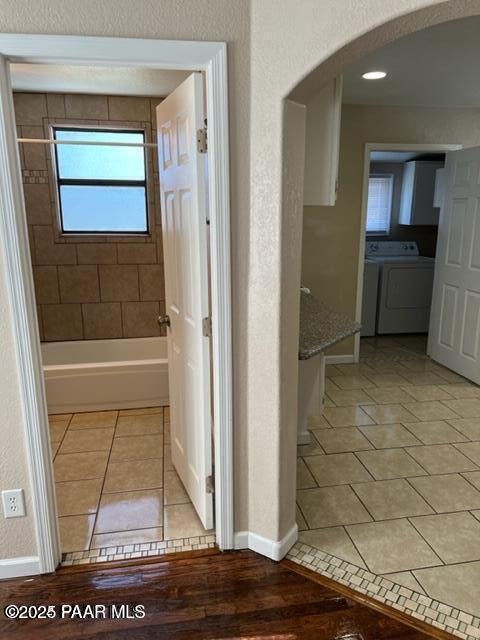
[(85, 79), (436, 67)]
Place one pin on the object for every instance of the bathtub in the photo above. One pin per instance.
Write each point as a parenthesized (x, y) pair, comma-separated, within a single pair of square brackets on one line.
[(91, 375)]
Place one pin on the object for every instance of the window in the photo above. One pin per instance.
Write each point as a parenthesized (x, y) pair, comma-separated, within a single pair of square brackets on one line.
[(379, 207), (101, 189)]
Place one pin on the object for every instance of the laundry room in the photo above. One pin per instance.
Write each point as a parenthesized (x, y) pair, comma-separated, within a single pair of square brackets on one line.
[(402, 197)]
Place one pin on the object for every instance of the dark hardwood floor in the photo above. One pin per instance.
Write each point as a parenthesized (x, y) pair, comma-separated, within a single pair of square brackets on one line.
[(229, 595)]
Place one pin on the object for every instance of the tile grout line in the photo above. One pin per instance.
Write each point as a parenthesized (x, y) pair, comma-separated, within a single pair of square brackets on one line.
[(103, 483)]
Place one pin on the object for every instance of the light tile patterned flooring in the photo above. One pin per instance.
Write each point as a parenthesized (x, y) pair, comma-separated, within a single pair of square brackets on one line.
[(391, 479), (115, 484)]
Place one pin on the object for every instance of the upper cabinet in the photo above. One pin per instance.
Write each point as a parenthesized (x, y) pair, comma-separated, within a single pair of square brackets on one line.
[(322, 145), (418, 188)]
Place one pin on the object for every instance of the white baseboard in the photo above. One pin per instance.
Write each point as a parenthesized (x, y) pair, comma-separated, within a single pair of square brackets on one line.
[(19, 567), (276, 550), (348, 358)]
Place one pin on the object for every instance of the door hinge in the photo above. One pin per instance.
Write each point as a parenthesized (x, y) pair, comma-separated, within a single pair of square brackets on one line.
[(202, 140), (207, 327), (209, 484)]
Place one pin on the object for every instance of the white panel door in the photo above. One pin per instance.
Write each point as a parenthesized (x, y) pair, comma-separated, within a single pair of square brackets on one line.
[(455, 315), (184, 225)]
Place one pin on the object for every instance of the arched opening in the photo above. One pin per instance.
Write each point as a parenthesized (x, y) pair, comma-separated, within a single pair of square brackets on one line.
[(336, 463)]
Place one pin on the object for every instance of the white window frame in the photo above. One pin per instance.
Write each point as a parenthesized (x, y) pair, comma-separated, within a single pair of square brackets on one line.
[(391, 178), (211, 58)]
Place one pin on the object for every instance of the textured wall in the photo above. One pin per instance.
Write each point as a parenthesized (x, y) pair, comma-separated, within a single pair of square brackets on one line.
[(272, 46), (98, 287), (331, 234)]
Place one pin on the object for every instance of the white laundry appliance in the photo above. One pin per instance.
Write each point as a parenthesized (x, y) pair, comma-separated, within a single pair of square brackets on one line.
[(404, 288)]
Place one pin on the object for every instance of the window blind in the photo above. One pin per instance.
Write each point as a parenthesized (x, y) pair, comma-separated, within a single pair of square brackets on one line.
[(379, 208)]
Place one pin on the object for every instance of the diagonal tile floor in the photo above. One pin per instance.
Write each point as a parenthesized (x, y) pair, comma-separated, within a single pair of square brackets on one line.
[(115, 484), (391, 479)]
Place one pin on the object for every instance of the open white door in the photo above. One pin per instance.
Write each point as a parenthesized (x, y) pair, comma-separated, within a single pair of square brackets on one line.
[(454, 335), (184, 221)]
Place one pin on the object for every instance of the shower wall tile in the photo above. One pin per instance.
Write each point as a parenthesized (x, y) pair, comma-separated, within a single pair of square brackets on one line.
[(56, 105), (46, 285), (35, 157), (137, 253), (49, 252), (89, 287), (30, 108), (118, 283), (79, 284), (37, 203), (86, 107), (140, 319), (128, 108), (151, 281), (62, 322), (102, 320), (98, 253)]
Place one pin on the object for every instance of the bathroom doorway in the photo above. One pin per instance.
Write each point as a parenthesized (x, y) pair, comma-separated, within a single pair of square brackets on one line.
[(93, 194)]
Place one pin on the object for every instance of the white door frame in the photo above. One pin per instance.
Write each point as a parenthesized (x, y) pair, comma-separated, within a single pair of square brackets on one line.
[(381, 146), (210, 57)]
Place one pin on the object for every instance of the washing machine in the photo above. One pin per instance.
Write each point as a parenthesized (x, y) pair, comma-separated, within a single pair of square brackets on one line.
[(405, 286)]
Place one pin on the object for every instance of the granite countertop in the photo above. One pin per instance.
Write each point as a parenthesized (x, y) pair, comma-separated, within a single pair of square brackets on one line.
[(320, 327)]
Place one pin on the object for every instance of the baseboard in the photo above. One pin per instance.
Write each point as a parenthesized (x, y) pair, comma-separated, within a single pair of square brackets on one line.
[(348, 358), (240, 540), (275, 550), (19, 567)]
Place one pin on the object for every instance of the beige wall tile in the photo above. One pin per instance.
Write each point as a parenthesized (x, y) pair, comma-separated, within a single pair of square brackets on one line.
[(37, 203), (79, 284), (140, 319), (102, 315), (30, 108), (137, 253), (62, 322), (118, 283), (86, 106), (102, 320), (35, 157), (97, 253), (152, 285), (55, 105), (49, 252), (46, 285), (128, 108)]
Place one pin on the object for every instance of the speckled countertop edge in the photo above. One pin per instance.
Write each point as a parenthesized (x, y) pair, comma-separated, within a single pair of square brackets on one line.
[(321, 327)]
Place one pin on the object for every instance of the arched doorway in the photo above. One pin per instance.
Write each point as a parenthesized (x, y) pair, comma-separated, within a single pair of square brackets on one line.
[(291, 119)]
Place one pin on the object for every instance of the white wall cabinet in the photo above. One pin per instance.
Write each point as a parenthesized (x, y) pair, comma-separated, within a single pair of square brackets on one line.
[(322, 145), (418, 187)]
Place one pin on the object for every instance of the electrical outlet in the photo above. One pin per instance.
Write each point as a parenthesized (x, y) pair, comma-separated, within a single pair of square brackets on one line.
[(13, 503)]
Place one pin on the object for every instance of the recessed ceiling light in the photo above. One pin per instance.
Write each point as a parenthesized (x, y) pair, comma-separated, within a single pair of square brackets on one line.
[(374, 75)]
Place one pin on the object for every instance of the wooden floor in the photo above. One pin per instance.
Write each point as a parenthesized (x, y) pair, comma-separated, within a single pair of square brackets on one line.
[(229, 595)]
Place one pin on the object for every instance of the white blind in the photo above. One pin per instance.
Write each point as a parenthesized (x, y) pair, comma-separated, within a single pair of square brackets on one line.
[(379, 208)]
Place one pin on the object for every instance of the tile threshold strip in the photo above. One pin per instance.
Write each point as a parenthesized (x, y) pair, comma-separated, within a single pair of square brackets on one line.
[(437, 614), (139, 550)]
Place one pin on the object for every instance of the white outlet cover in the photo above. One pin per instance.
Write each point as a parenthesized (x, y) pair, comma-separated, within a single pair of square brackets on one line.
[(13, 503)]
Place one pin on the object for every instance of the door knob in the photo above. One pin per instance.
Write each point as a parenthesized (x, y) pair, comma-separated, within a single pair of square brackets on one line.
[(164, 321)]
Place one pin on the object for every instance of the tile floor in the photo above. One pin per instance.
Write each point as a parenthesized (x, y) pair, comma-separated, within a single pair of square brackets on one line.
[(391, 479), (115, 483)]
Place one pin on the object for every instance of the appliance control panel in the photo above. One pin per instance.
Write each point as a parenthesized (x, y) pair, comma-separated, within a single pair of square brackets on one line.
[(391, 248)]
